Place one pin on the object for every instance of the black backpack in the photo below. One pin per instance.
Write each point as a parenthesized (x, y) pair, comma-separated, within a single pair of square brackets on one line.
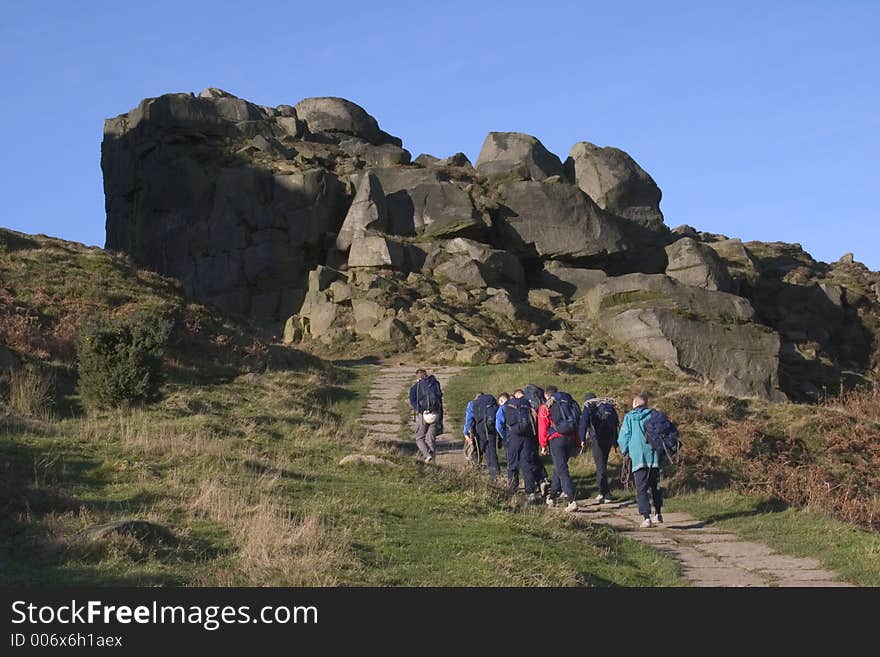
[(565, 413), (428, 394), (661, 434), (604, 420), (485, 408), (518, 417), (534, 395)]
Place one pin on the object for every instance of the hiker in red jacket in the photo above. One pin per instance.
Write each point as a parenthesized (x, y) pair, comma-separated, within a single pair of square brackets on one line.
[(561, 447)]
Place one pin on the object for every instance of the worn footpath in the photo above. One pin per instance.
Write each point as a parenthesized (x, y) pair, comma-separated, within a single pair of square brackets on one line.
[(709, 557)]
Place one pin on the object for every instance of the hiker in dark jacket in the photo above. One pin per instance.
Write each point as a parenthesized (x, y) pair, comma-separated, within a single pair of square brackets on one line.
[(480, 420), (517, 443), (561, 447), (600, 441), (645, 461), (428, 416)]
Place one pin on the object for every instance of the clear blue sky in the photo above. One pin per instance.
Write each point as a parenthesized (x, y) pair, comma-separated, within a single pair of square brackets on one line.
[(757, 119)]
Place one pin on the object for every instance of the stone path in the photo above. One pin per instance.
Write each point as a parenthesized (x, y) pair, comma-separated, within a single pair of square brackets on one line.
[(382, 423), (709, 556)]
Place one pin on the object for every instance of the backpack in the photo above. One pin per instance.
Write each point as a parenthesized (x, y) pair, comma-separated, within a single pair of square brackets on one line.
[(604, 420), (485, 408), (428, 394), (534, 395), (661, 434), (518, 417), (565, 413)]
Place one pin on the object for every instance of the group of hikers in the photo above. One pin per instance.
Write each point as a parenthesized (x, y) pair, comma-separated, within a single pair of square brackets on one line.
[(535, 422)]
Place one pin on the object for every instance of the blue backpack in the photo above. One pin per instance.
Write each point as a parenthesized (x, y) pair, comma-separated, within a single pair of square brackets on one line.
[(565, 413), (604, 420), (485, 407), (518, 417), (428, 394), (661, 434)]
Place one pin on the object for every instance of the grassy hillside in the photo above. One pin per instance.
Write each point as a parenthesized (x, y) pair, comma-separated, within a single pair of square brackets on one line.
[(237, 466), (801, 478)]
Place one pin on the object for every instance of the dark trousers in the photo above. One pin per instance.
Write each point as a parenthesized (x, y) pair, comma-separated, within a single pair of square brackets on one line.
[(520, 457), (560, 450), (648, 479), (490, 452), (600, 458), (540, 472)]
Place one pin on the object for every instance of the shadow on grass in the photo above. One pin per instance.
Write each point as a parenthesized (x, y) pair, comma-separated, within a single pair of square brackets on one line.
[(766, 506), (34, 480)]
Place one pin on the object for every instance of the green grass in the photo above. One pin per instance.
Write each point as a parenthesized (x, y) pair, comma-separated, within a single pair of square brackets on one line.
[(246, 475), (852, 552)]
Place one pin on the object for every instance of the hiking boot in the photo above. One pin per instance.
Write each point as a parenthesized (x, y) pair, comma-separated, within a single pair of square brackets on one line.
[(657, 518), (550, 501), (599, 499), (646, 523), (608, 498), (429, 458), (572, 507), (544, 486)]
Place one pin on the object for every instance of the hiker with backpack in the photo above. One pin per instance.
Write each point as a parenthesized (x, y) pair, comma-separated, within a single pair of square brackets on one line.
[(514, 423), (645, 460), (598, 428), (426, 400), (535, 396), (558, 421), (471, 443), (480, 418)]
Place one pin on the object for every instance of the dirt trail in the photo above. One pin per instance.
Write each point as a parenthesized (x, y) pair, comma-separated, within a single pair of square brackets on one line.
[(708, 556)]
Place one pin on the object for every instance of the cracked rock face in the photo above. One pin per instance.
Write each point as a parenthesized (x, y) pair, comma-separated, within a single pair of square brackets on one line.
[(312, 218), (694, 263)]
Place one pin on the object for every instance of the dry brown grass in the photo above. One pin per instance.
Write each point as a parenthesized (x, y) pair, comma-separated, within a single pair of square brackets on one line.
[(274, 546), (861, 402), (32, 393), (825, 457), (143, 434)]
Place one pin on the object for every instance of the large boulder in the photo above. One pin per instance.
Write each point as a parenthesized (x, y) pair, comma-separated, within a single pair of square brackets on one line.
[(498, 268), (740, 359), (462, 269), (233, 108), (183, 201), (371, 250), (384, 155), (703, 333), (514, 152), (616, 183), (741, 265), (572, 282), (421, 203), (332, 116), (557, 221), (694, 263), (368, 211)]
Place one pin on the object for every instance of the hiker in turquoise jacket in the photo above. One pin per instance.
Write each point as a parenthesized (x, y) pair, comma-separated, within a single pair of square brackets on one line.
[(645, 461)]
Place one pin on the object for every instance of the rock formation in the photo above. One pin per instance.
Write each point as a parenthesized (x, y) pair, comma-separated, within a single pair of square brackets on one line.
[(312, 218)]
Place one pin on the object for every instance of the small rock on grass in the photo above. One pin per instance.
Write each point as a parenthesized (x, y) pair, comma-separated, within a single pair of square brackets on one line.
[(365, 459)]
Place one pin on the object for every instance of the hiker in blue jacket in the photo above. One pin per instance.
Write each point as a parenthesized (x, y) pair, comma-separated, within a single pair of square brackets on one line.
[(645, 461), (517, 444)]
